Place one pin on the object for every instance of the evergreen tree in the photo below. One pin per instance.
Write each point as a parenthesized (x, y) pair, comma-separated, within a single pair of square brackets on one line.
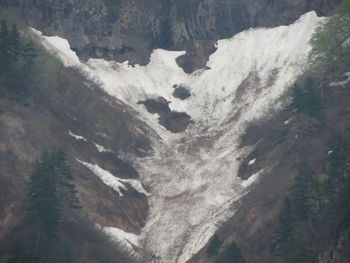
[(50, 191), (16, 58), (14, 44), (330, 43), (231, 254), (66, 190), (214, 246), (4, 47), (303, 193), (286, 222), (307, 100), (314, 100), (299, 98), (44, 203), (338, 157)]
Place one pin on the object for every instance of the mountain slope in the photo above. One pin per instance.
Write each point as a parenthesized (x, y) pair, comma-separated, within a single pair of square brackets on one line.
[(225, 99), (163, 158)]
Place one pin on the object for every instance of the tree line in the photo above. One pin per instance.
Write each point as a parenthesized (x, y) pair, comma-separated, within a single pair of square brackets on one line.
[(16, 58)]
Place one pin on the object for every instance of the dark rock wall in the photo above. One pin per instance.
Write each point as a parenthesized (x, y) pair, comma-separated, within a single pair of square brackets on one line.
[(130, 29)]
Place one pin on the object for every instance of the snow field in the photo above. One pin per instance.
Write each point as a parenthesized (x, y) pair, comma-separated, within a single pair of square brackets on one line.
[(193, 175)]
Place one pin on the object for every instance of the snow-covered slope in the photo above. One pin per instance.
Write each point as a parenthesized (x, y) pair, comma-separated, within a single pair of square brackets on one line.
[(193, 175)]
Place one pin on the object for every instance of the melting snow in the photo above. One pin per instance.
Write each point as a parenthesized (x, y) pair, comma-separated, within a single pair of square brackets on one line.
[(342, 83), (193, 175), (102, 149), (127, 239), (288, 121), (251, 162), (252, 179), (115, 183), (59, 47), (77, 137)]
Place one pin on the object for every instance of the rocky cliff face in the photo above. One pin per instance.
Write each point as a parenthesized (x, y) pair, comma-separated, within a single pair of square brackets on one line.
[(131, 29)]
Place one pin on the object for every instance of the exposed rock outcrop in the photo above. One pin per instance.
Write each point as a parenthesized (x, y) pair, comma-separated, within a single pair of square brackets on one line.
[(130, 30), (181, 92), (172, 120)]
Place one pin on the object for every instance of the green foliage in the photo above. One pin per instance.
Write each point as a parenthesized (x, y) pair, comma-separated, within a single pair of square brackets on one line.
[(286, 220), (298, 207), (231, 254), (338, 170), (311, 196), (322, 178), (50, 192), (16, 58), (45, 206), (51, 189), (214, 246), (307, 99), (331, 42), (302, 193)]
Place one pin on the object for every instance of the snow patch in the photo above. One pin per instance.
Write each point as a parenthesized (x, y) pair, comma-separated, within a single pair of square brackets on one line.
[(252, 179), (129, 240), (251, 162), (118, 184), (102, 149), (77, 137), (288, 121), (59, 47), (342, 83)]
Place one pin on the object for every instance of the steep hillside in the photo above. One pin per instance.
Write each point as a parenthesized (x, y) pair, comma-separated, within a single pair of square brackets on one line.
[(164, 158), (60, 108), (279, 148)]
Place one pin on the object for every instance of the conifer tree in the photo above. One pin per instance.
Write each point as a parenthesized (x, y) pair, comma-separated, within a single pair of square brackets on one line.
[(338, 159), (50, 191), (302, 193), (16, 58), (314, 101), (307, 99), (214, 246), (65, 188), (14, 43), (286, 222), (231, 254), (44, 203), (4, 46)]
